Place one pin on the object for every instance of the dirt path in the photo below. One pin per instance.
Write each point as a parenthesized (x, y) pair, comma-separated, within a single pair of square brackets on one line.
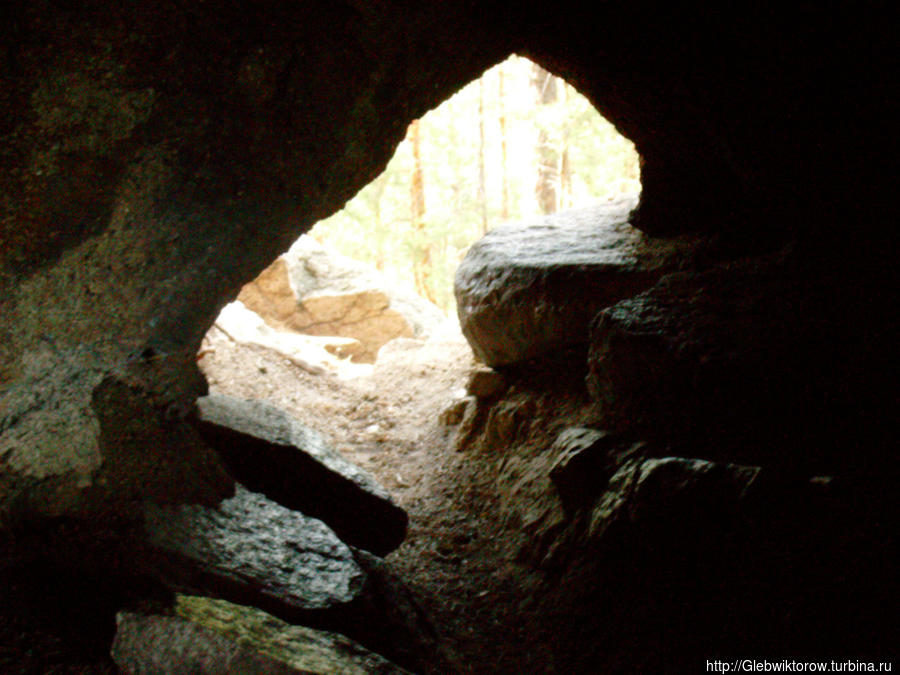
[(388, 422)]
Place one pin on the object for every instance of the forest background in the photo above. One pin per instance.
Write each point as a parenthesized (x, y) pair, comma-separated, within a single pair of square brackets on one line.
[(515, 143)]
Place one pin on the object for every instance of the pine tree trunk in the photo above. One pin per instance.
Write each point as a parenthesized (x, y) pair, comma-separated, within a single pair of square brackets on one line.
[(421, 246), (504, 208), (565, 167), (547, 155), (482, 192)]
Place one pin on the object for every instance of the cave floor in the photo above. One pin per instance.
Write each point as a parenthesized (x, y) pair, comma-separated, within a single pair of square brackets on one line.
[(456, 559)]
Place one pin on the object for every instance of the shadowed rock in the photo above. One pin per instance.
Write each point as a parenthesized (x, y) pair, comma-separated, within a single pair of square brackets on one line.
[(257, 547), (253, 551), (736, 359), (529, 288), (167, 645), (271, 452), (215, 636)]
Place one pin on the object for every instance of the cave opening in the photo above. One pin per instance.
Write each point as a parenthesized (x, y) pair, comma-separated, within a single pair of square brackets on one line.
[(353, 333)]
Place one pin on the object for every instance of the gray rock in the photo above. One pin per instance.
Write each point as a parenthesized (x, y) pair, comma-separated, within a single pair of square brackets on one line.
[(313, 289), (206, 635), (253, 551), (271, 452), (528, 288), (78, 440), (256, 546)]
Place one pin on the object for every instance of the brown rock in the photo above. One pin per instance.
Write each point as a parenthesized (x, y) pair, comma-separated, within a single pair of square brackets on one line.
[(314, 290), (485, 383)]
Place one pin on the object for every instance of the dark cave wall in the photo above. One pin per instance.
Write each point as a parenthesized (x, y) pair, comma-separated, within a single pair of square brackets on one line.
[(155, 156), (757, 118)]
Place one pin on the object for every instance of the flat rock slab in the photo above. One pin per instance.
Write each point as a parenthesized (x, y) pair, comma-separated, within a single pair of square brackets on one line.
[(206, 635), (271, 452), (528, 288), (253, 547)]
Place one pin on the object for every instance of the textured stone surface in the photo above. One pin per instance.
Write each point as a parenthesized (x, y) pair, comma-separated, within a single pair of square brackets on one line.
[(166, 645), (314, 289), (75, 439), (206, 635), (250, 545), (736, 359), (255, 552), (582, 465), (271, 452), (155, 157), (528, 288), (484, 383)]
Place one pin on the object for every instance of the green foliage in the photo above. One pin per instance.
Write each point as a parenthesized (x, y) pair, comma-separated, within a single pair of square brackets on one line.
[(376, 225)]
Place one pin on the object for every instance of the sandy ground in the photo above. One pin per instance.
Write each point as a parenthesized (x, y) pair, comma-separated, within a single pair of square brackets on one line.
[(386, 418)]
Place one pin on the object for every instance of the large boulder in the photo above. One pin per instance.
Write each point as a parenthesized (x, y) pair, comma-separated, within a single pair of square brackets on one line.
[(271, 452), (315, 290), (528, 288), (736, 360), (209, 636)]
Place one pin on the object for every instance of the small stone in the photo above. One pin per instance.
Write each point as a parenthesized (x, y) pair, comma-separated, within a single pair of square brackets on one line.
[(485, 382), (453, 413)]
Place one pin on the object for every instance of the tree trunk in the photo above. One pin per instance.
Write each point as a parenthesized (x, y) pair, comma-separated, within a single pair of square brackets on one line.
[(504, 208), (482, 193), (547, 155), (422, 248), (565, 167)]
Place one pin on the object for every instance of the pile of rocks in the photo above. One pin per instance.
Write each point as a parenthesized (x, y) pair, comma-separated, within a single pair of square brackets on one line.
[(299, 540), (314, 290)]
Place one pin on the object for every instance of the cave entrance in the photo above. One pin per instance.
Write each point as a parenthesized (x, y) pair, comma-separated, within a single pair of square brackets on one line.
[(517, 143), (353, 331)]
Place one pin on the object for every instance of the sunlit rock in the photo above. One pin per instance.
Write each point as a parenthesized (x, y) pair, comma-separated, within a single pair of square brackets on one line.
[(315, 290)]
